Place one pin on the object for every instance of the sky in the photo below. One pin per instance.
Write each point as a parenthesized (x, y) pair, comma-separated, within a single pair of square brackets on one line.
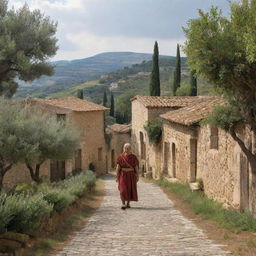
[(90, 27)]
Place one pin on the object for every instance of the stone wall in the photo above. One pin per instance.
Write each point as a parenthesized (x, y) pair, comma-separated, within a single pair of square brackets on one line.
[(93, 150), (151, 158), (20, 174), (177, 162), (223, 169), (115, 148)]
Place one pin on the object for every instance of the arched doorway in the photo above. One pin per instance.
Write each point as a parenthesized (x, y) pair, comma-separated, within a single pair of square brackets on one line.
[(166, 157)]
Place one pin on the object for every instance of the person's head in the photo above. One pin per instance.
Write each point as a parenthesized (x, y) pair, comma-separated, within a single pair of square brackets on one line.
[(127, 148)]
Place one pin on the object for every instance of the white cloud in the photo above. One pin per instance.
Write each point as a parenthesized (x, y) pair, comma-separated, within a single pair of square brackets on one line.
[(88, 27), (88, 44)]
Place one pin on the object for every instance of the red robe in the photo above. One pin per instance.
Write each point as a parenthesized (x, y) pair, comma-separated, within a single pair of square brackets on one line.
[(127, 183)]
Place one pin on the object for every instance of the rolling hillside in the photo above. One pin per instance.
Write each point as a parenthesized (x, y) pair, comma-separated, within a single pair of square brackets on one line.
[(70, 73)]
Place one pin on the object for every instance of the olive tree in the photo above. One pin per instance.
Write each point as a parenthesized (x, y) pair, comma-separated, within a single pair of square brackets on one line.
[(27, 41), (31, 137), (223, 50), (55, 140)]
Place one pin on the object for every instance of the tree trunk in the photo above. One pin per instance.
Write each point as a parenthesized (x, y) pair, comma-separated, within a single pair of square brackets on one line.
[(35, 174), (3, 171), (1, 181), (249, 154)]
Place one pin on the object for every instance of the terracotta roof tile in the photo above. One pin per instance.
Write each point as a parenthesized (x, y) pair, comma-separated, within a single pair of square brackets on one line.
[(71, 103), (193, 113), (165, 102), (120, 128)]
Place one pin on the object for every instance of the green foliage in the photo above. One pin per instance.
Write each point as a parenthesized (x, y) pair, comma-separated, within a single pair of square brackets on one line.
[(26, 188), (27, 41), (80, 94), (25, 212), (177, 72), (60, 199), (183, 90), (231, 219), (112, 106), (224, 116), (105, 99), (193, 84), (109, 120), (154, 130), (223, 50), (21, 212), (154, 86), (123, 108)]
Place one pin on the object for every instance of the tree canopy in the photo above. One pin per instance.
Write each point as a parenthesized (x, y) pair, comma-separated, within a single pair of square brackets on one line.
[(154, 86), (27, 41), (31, 137), (223, 50)]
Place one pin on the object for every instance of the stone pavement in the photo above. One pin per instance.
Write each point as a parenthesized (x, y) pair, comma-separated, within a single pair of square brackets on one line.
[(151, 227)]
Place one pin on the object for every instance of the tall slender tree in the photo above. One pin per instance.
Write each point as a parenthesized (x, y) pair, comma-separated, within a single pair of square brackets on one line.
[(80, 94), (193, 83), (177, 72), (154, 86), (105, 99), (112, 106)]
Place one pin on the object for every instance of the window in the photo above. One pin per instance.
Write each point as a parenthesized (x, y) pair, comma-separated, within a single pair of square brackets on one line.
[(99, 154), (214, 138), (61, 117)]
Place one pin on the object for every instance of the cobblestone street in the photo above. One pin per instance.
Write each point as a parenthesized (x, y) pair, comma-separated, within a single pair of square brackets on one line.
[(151, 227)]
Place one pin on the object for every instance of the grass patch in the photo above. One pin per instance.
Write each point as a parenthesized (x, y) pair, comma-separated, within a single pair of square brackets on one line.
[(232, 220)]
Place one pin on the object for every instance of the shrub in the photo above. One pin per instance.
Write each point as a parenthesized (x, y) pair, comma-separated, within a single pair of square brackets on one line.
[(23, 212), (59, 198), (26, 188), (154, 130)]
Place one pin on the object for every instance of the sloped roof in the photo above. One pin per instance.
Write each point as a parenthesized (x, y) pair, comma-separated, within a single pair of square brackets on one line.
[(70, 103), (120, 128), (167, 102), (193, 113)]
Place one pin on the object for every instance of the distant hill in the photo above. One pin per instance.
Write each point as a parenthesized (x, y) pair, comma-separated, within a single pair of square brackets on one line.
[(70, 73)]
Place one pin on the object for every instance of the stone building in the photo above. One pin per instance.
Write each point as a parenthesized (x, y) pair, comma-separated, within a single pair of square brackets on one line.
[(189, 151), (88, 117), (118, 135), (192, 151), (144, 109)]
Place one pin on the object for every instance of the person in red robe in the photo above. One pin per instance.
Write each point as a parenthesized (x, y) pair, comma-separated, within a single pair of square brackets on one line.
[(127, 176)]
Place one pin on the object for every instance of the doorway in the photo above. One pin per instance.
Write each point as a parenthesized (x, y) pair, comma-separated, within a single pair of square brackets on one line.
[(173, 160), (166, 157), (58, 170), (193, 160)]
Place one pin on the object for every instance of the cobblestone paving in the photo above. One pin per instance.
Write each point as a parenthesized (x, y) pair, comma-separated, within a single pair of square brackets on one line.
[(151, 227)]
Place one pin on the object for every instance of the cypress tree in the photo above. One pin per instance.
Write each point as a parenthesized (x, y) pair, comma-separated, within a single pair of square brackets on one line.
[(80, 94), (177, 72), (112, 106), (105, 99), (154, 86), (193, 83)]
